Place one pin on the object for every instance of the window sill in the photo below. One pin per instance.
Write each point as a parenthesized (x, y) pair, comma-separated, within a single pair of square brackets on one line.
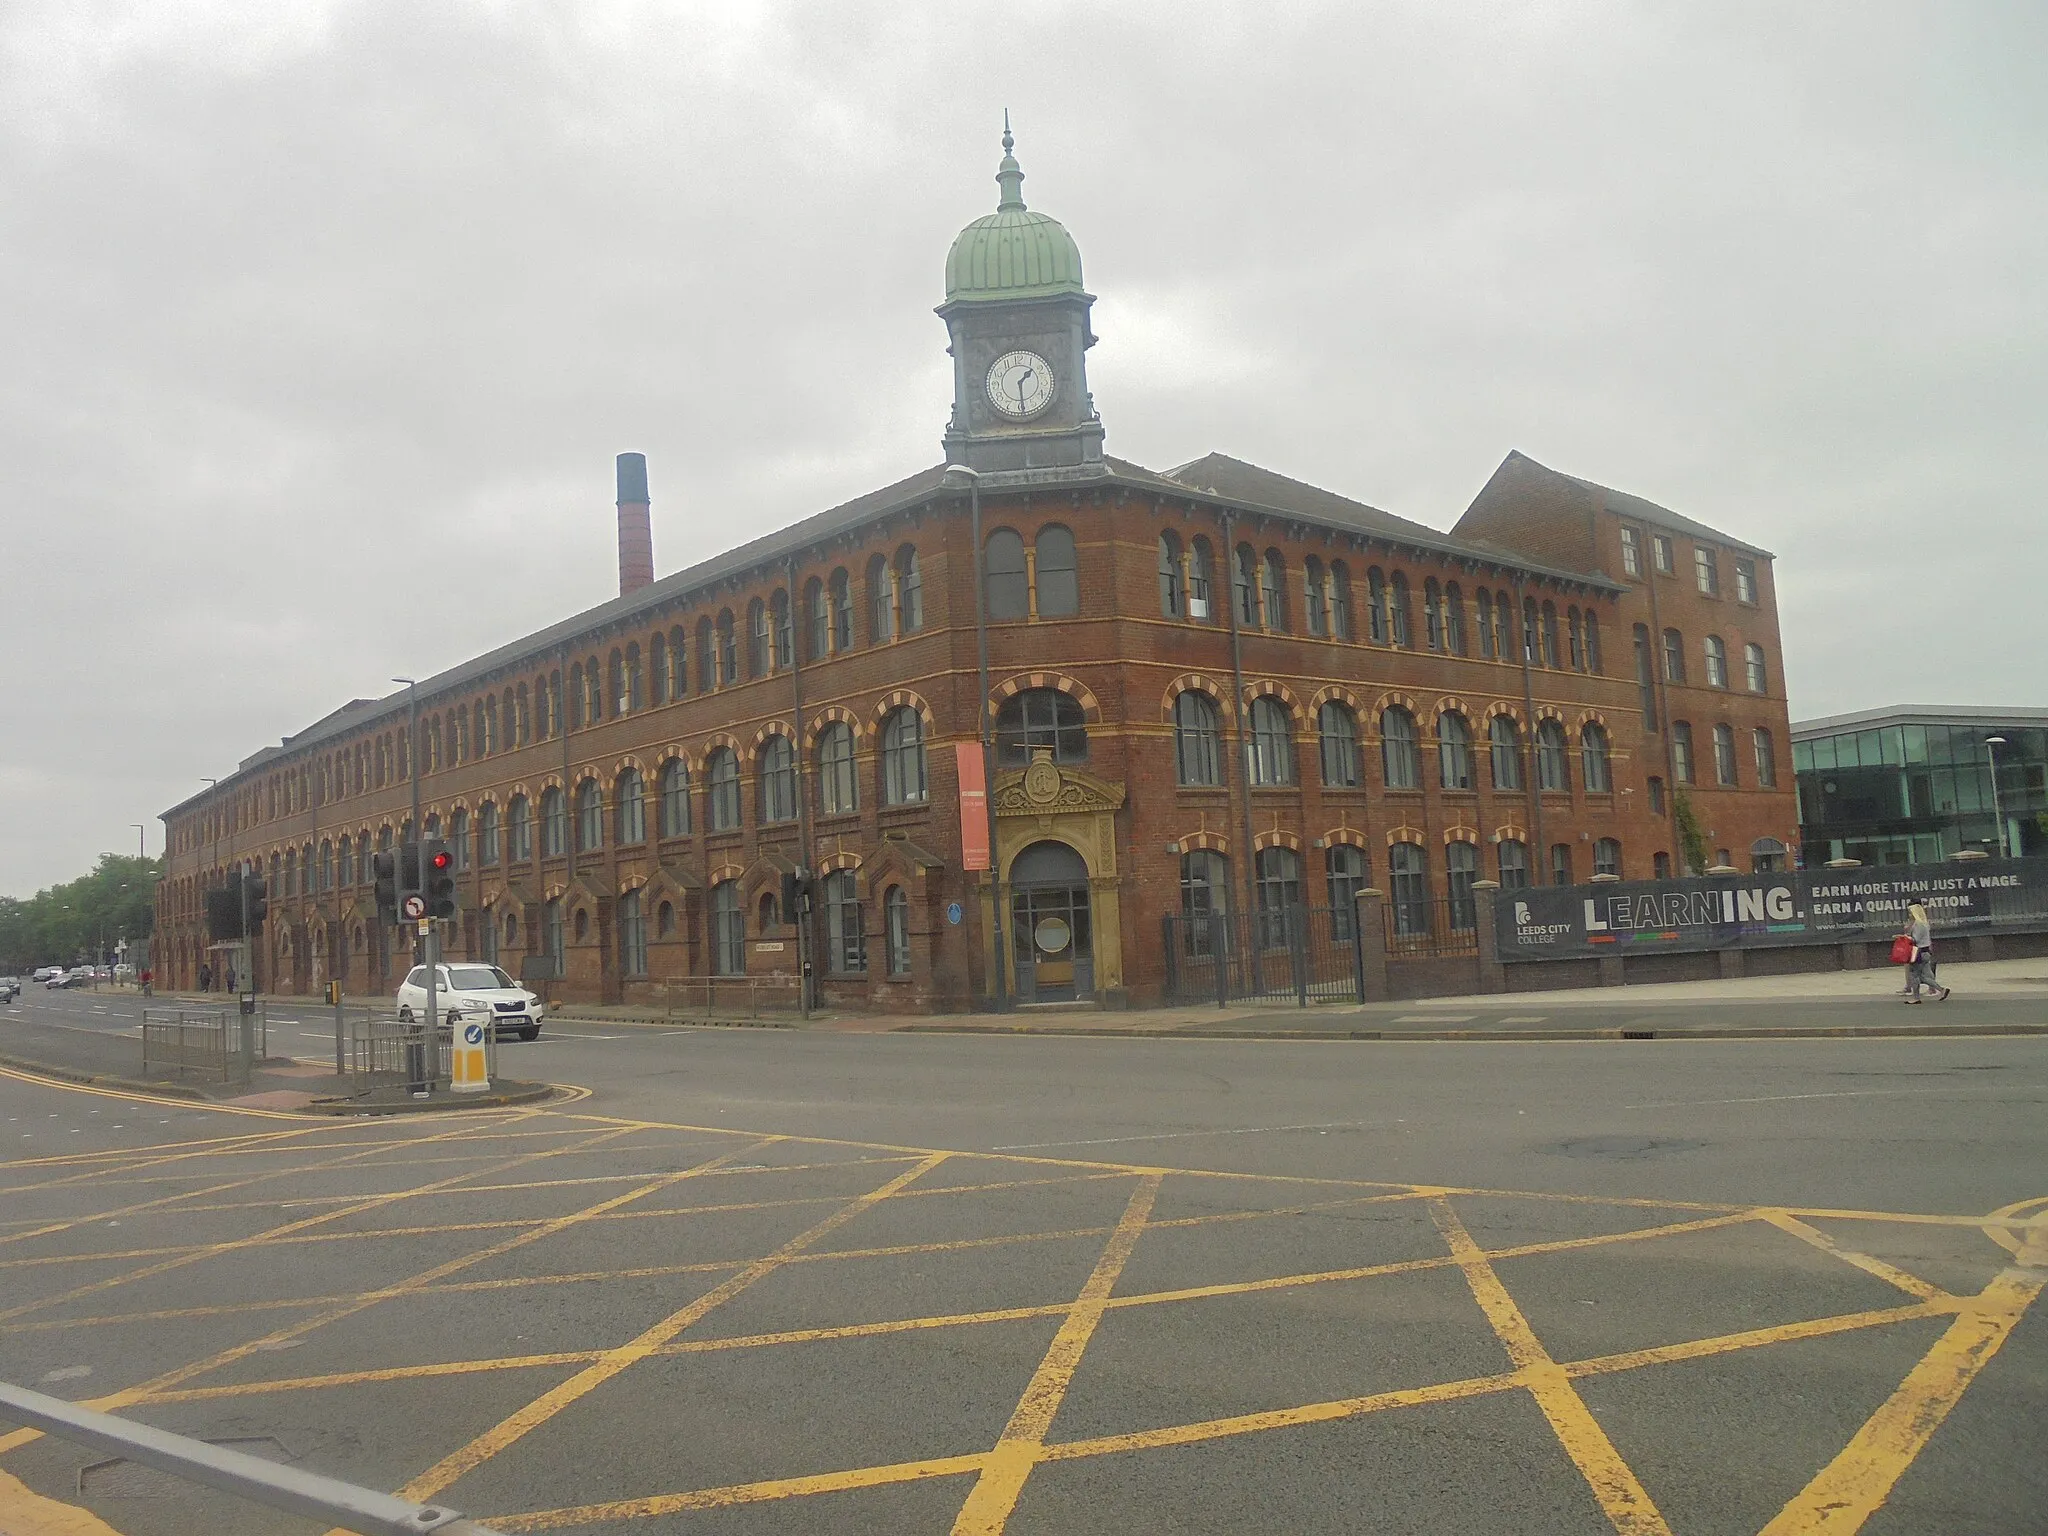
[(910, 811)]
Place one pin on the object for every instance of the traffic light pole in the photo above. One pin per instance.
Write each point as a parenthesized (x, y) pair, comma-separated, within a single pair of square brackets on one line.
[(246, 1002), (431, 949)]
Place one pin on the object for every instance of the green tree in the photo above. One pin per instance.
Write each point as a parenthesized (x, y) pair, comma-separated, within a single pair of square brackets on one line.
[(83, 918), (1691, 840)]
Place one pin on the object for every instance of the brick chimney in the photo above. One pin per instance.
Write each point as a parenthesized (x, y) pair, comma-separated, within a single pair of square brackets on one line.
[(636, 531)]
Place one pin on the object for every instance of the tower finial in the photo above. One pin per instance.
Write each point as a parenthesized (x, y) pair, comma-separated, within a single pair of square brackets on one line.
[(1009, 175)]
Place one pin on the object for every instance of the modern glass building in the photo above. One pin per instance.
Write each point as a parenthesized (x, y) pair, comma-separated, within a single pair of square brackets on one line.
[(1917, 784)]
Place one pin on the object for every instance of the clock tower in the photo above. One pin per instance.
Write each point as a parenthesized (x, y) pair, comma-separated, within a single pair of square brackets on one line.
[(1017, 318)]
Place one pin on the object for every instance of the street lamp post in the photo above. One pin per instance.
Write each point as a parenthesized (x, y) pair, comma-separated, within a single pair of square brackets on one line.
[(1991, 746), (955, 475), (141, 852)]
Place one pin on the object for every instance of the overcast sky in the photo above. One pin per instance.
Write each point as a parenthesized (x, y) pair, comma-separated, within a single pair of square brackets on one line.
[(295, 297)]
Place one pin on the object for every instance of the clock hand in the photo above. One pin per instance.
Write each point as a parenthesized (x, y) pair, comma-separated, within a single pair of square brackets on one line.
[(1023, 380)]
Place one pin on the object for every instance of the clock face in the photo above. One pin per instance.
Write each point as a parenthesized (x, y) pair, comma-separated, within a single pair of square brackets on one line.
[(1020, 384)]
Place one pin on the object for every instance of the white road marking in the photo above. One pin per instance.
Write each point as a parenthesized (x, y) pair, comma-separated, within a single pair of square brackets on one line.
[(1437, 1018), (1778, 1098), (1244, 1130)]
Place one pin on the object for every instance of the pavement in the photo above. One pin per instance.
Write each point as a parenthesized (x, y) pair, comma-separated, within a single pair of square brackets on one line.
[(751, 1281)]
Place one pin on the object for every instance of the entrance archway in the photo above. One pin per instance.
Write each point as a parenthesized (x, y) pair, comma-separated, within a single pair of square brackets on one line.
[(1052, 926)]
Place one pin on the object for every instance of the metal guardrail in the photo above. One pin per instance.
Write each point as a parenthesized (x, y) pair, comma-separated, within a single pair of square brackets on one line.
[(326, 1499), (195, 1042), (729, 997)]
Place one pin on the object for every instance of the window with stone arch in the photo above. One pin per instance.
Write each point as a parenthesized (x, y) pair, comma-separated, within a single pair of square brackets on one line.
[(1244, 586), (1344, 876), (707, 656), (837, 791), (1592, 641), (722, 776), (657, 668), (905, 778), (1315, 598), (1504, 739), (1273, 590), (1454, 750), (1197, 739), (841, 588), (1059, 573), (1400, 754), (881, 602), (817, 621), (1337, 733), (728, 649), (896, 929), (1607, 856), (1454, 619), (1341, 624), (629, 813), (635, 697), (1408, 877), (1756, 675), (487, 831), (728, 930), (1482, 613), (589, 817), (1596, 764), (675, 798), (1006, 584), (776, 770), (1715, 649), (1376, 606), (1172, 581), (1271, 747), (1553, 758), (757, 638), (1201, 581), (1040, 718), (1400, 627), (1550, 654), (519, 830), (909, 591)]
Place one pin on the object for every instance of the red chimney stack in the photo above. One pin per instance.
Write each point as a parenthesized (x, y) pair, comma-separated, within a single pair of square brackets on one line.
[(636, 529)]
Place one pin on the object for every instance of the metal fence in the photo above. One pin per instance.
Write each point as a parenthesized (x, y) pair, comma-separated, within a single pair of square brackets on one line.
[(386, 1052), (730, 997), (1432, 926), (219, 1045), (1297, 954)]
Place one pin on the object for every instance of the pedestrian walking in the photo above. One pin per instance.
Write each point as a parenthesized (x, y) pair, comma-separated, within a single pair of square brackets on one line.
[(205, 977), (1920, 972)]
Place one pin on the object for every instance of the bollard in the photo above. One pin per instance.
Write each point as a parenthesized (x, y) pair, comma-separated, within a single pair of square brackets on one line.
[(469, 1048)]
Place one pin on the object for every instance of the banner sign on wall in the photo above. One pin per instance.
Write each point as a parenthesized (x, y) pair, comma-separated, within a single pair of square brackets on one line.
[(1812, 906), (973, 805)]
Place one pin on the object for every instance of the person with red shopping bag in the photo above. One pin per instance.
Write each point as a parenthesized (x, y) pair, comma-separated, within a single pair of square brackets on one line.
[(1920, 966)]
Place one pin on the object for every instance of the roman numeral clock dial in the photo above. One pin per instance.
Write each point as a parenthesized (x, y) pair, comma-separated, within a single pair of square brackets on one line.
[(1020, 384)]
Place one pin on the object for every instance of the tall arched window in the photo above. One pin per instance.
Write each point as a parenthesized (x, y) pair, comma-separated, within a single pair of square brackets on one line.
[(1596, 766), (1553, 758), (632, 926), (1040, 718), (1201, 581), (707, 656), (1482, 609), (881, 602), (1756, 675), (896, 929), (1204, 893), (589, 817), (675, 798), (1400, 629), (1344, 873), (554, 823), (1059, 574), (323, 878), (1278, 873), (1376, 606), (776, 767), (841, 588), (728, 930), (1454, 619), (1337, 729), (636, 680), (722, 771), (487, 850), (1607, 856), (1273, 590), (1674, 656), (1272, 743), (909, 592), (1197, 739), (728, 649), (782, 638), (1408, 875), (1244, 586), (1399, 757), (1646, 677), (757, 638), (1341, 626), (1454, 750), (904, 776), (1592, 641), (1172, 596), (1717, 661), (519, 830), (1504, 736), (1316, 597), (1006, 585), (836, 792), (615, 692), (1766, 754), (817, 621), (1576, 652), (657, 668), (630, 814), (1724, 755), (1550, 635), (1514, 864), (1461, 868), (846, 940)]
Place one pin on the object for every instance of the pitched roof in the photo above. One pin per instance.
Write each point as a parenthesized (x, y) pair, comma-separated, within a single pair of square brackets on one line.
[(1629, 505)]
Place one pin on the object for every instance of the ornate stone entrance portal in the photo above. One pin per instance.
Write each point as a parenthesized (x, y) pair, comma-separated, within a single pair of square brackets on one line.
[(1055, 857)]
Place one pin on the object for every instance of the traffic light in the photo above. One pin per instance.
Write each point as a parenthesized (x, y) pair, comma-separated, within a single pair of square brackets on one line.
[(438, 865), (224, 909), (255, 904), (409, 881), (384, 870), (797, 886)]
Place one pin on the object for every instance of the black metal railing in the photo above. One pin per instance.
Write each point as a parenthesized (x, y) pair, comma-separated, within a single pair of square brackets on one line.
[(1430, 926), (1297, 954)]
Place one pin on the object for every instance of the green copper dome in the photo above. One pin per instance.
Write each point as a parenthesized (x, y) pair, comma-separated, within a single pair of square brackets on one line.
[(1012, 253)]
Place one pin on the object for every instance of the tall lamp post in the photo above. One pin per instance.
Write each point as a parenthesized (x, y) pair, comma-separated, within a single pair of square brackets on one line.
[(141, 852), (1991, 746), (956, 475)]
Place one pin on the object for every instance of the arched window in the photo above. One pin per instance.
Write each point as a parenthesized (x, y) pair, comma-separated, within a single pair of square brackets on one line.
[(1040, 718), (1681, 751), (1197, 739), (722, 770), (323, 878), (632, 926), (1674, 656), (434, 745), (1454, 750), (909, 592), (1272, 743), (1504, 736), (1316, 595), (519, 830), (1461, 868), (782, 638), (904, 778), (1376, 606), (616, 693), (1244, 586), (589, 817), (1514, 864), (1201, 579), (728, 930), (817, 621), (1753, 667), (896, 929), (1273, 590), (630, 814), (553, 939), (487, 850), (1606, 856), (1560, 863), (1059, 575), (1646, 677), (881, 602), (675, 798), (1571, 634), (1717, 661), (1341, 627), (757, 638), (1482, 608), (554, 823), (728, 649), (1204, 894), (1344, 877), (1400, 629), (1766, 757), (846, 940), (1724, 755), (657, 669), (707, 656), (636, 681), (776, 767), (1278, 873), (836, 792), (458, 839), (1006, 586), (1433, 614), (1408, 874), (1399, 757), (1596, 766), (841, 587), (1532, 645), (1172, 596), (1553, 759), (1550, 635), (1337, 730), (1592, 641)]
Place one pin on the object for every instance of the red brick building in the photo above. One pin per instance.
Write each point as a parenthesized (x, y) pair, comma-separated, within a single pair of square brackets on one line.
[(1213, 689)]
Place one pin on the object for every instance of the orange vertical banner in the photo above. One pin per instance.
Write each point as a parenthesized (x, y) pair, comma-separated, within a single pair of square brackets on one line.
[(973, 805)]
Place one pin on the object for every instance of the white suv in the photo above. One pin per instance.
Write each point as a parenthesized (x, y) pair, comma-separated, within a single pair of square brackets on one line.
[(473, 988)]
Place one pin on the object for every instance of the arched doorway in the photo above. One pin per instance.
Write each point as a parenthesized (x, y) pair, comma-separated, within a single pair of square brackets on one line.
[(1052, 929)]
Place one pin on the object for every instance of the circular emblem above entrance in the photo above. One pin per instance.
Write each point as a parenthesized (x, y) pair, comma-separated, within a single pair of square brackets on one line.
[(1041, 781), (1052, 935)]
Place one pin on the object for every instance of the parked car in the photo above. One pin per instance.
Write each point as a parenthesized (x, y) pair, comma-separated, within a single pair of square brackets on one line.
[(10, 988), (45, 972), (460, 988), (72, 978)]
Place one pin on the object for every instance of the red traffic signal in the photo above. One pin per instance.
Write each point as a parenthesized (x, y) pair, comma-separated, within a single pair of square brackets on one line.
[(440, 880), (441, 859)]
